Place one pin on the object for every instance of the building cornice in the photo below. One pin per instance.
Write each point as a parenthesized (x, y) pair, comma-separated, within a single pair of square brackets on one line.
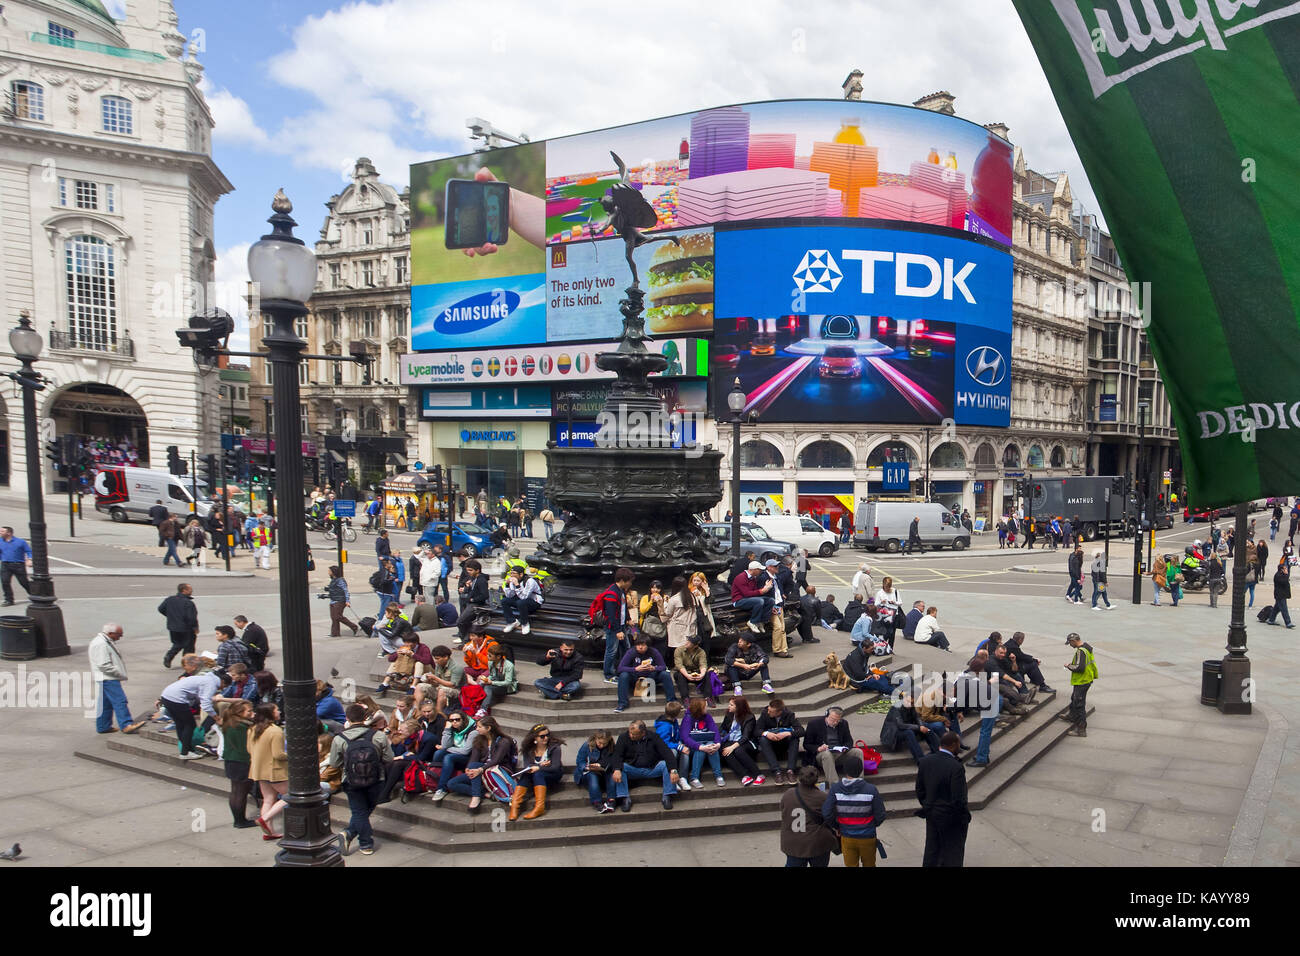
[(199, 166)]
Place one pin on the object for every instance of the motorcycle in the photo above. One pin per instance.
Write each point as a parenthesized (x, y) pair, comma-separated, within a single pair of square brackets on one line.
[(1195, 578)]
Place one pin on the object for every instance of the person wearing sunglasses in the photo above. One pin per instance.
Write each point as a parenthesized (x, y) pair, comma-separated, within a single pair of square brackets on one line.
[(542, 765)]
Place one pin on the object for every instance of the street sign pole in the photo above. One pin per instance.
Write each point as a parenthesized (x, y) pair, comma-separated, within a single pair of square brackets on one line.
[(230, 532)]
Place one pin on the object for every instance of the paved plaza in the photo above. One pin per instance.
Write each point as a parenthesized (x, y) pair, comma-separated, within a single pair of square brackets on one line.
[(1160, 781)]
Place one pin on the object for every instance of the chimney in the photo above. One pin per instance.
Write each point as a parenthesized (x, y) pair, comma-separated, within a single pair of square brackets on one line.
[(853, 85), (1002, 129), (940, 102)]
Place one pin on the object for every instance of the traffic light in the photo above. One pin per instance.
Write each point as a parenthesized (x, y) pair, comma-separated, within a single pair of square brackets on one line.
[(241, 462), (175, 464), (54, 452), (209, 475), (230, 462)]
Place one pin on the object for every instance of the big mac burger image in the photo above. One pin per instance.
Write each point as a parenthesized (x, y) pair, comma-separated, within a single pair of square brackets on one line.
[(681, 285)]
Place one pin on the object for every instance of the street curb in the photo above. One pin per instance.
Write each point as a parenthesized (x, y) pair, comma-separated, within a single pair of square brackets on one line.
[(147, 573)]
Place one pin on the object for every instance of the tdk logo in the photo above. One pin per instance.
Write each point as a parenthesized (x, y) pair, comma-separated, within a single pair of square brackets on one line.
[(915, 275), (986, 366), (476, 312)]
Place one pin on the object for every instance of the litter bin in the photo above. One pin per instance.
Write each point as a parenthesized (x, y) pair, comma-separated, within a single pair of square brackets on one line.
[(1211, 682), (17, 638)]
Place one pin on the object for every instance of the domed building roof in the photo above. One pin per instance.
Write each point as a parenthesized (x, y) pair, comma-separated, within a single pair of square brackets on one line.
[(95, 7)]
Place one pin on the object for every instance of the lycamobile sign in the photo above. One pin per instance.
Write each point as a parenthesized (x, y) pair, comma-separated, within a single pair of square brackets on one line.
[(1186, 117), (448, 367)]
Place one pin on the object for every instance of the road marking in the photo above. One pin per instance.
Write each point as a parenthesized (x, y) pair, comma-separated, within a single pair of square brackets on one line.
[(89, 567)]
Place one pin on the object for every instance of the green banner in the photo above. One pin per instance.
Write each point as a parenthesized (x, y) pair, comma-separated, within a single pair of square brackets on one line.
[(1185, 115)]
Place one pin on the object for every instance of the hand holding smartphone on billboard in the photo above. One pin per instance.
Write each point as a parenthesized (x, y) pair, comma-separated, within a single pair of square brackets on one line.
[(482, 211)]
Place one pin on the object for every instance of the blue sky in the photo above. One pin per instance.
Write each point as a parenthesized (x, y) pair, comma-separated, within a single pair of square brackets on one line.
[(300, 89)]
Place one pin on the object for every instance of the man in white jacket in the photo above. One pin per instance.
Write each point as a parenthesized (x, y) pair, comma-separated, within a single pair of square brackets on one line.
[(109, 670), (862, 583)]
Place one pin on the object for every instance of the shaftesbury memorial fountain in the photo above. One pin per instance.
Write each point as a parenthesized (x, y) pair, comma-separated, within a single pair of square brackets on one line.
[(634, 497)]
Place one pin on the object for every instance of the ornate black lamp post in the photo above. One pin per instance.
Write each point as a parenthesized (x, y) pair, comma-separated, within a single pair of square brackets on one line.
[(284, 270), (1140, 502), (43, 607), (736, 399)]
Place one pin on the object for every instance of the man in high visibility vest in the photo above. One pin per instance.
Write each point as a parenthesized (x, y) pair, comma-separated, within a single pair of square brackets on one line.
[(1083, 671), (261, 537)]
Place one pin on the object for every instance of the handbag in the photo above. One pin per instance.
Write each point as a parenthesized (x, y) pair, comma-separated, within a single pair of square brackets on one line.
[(870, 758), (828, 838), (703, 626), (713, 684), (653, 626)]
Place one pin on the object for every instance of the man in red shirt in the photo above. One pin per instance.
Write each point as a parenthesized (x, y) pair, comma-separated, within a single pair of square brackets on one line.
[(748, 595)]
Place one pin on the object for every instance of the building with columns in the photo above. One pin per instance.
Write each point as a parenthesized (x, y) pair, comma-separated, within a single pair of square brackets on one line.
[(362, 303), (107, 189)]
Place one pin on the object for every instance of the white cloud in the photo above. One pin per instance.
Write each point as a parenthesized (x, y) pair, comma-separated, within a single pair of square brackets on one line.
[(395, 79), (116, 8), (231, 280), (232, 119)]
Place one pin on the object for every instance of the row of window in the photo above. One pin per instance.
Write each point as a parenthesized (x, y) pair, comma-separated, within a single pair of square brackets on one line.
[(368, 271), (27, 100), (371, 420), (87, 194), (831, 454)]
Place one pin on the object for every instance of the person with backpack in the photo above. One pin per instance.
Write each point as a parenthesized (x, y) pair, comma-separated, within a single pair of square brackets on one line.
[(365, 754), (609, 610), (1083, 671), (857, 809), (807, 839)]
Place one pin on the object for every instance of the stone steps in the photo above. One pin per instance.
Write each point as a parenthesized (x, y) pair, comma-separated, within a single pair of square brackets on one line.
[(448, 827)]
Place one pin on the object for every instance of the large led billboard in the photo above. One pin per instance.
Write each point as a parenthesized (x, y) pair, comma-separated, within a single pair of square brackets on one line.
[(756, 207)]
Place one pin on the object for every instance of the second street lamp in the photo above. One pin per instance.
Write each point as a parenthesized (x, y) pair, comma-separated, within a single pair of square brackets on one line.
[(1140, 504), (43, 607), (284, 272), (736, 401)]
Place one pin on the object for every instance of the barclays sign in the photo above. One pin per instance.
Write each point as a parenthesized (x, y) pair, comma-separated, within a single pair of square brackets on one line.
[(492, 436)]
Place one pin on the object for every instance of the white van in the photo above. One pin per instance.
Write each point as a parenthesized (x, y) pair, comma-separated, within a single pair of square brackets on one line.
[(128, 493), (884, 524), (801, 531)]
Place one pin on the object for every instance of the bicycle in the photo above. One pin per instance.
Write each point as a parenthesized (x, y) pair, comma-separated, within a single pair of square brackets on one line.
[(349, 534)]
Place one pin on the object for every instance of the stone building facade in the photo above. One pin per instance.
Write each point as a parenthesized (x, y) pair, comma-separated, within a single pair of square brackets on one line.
[(107, 189)]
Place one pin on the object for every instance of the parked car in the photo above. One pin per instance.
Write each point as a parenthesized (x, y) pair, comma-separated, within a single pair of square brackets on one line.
[(466, 538), (884, 524), (751, 537), (803, 532)]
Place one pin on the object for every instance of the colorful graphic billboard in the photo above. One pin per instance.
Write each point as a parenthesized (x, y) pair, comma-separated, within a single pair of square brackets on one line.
[(788, 229), (844, 323), (556, 363)]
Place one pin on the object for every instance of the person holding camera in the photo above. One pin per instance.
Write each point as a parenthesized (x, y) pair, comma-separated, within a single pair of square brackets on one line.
[(566, 672)]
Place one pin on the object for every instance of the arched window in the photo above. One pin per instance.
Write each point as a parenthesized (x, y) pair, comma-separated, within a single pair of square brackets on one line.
[(760, 454), (372, 419), (985, 456), (825, 454), (91, 276), (28, 99), (1035, 459), (1058, 457), (116, 113), (948, 455), (1011, 456), (891, 451)]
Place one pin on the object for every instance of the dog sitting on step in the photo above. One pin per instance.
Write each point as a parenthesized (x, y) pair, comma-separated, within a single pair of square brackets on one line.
[(644, 689), (835, 672)]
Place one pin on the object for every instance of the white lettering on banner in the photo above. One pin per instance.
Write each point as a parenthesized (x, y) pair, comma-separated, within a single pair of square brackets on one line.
[(1161, 41), (1234, 419), (982, 400), (944, 275)]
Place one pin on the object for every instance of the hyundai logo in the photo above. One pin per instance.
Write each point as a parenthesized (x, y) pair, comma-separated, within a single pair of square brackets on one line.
[(986, 366)]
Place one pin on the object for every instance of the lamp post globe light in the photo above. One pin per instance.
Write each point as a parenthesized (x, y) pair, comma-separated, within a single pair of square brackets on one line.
[(736, 401), (43, 608), (283, 270)]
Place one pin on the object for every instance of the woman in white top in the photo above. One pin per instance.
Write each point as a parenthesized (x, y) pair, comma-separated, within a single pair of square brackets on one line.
[(679, 614), (888, 608), (862, 583)]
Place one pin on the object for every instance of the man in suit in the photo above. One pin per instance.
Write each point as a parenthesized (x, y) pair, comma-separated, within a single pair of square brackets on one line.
[(826, 740), (254, 637), (941, 791)]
